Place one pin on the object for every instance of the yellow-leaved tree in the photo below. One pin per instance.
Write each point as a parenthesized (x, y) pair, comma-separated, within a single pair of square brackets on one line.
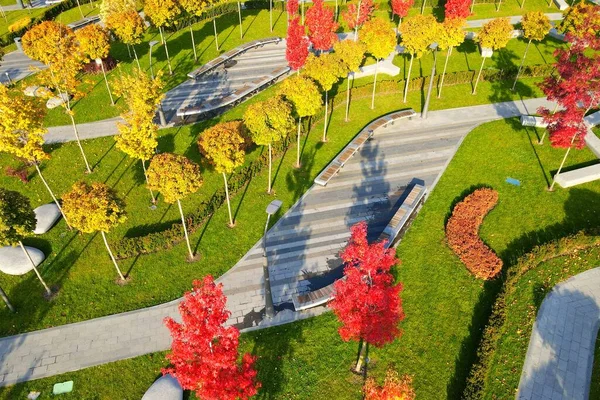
[(269, 121), (224, 147), (351, 55), (162, 13), (129, 27), (536, 26), (379, 37), (450, 35), (326, 70), (141, 92), (95, 208), (493, 35), (418, 33), (95, 45), (304, 95), (194, 8), (175, 177), (108, 7), (22, 132), (55, 45)]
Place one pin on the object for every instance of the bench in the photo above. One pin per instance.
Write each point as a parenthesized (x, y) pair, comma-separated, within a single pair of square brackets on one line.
[(314, 298), (83, 22), (593, 119), (403, 214), (593, 142), (328, 173), (530, 120), (579, 176), (556, 34), (561, 4)]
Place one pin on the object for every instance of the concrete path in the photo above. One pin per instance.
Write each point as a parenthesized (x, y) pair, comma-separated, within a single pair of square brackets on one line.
[(18, 66), (90, 130), (560, 356), (304, 242), (478, 23), (34, 4)]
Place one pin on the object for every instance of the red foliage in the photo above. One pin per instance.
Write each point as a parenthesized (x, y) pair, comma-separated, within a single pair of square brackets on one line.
[(296, 50), (401, 7), (367, 302), (566, 128), (292, 7), (355, 19), (321, 26), (394, 388), (204, 353), (20, 173), (458, 8), (93, 68), (462, 232)]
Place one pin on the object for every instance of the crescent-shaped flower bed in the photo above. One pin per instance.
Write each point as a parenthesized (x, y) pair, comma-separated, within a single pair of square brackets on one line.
[(462, 232)]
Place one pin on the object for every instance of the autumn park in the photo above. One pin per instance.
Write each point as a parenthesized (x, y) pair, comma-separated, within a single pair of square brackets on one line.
[(323, 199)]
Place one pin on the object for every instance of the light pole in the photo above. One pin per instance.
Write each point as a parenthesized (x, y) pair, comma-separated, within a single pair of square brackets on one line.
[(152, 44), (433, 48), (5, 298), (272, 208)]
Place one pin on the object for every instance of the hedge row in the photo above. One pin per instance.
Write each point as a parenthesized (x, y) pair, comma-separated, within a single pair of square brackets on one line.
[(495, 328), (462, 232)]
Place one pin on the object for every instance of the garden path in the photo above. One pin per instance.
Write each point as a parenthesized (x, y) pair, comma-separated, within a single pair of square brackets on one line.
[(303, 242), (560, 356)]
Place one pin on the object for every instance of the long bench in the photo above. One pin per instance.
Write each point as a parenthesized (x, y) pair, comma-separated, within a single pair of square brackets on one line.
[(397, 223), (593, 142), (209, 66), (579, 176), (84, 22), (530, 120), (359, 140), (561, 4)]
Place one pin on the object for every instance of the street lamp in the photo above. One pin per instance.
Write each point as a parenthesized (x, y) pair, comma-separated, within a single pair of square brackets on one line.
[(433, 48), (272, 208), (152, 44)]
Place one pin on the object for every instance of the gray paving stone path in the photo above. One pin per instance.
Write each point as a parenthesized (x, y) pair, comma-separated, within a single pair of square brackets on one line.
[(478, 23), (303, 243), (560, 356)]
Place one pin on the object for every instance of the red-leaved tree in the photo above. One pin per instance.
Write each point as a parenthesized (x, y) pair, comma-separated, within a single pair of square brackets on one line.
[(367, 302), (296, 50), (321, 26), (401, 8), (204, 353), (292, 8), (457, 9), (356, 15)]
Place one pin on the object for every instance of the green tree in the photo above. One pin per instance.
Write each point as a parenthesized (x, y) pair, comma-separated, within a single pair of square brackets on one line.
[(95, 208), (351, 55), (162, 13), (536, 26), (450, 35), (175, 177), (95, 45), (418, 33), (269, 121), (304, 95), (17, 221), (22, 132), (494, 35), (380, 39), (224, 147), (129, 28), (326, 70)]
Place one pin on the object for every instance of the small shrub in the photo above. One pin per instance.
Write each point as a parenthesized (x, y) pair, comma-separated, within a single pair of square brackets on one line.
[(19, 24), (21, 173), (94, 68), (462, 232)]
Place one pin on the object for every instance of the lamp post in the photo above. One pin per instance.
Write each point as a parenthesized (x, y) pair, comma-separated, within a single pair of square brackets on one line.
[(272, 208), (5, 298), (433, 48), (152, 44)]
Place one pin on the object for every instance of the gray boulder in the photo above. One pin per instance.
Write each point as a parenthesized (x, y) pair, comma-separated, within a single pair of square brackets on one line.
[(14, 262), (46, 216), (164, 388), (58, 100)]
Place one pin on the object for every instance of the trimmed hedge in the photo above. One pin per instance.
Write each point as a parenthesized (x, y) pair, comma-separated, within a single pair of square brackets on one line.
[(495, 328), (462, 232)]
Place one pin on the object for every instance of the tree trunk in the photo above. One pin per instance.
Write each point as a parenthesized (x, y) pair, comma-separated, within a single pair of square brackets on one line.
[(6, 300), (128, 50), (80, 10), (361, 356), (399, 23), (193, 43), (167, 52), (423, 7), (499, 4), (271, 15), (240, 18), (162, 36), (298, 147), (270, 160), (37, 168), (336, 10), (187, 239), (357, 19), (561, 167), (231, 224), (215, 29), (302, 11), (374, 85), (48, 291), (348, 98), (112, 101), (472, 5), (412, 57), (146, 176), (325, 122), (522, 3), (111, 256), (444, 73), (87, 165), (137, 60), (521, 66), (478, 75)]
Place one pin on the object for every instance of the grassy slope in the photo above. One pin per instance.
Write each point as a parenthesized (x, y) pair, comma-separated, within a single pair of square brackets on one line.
[(445, 307)]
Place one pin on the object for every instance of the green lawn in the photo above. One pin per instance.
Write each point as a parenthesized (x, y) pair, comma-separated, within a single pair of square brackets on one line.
[(13, 16), (446, 308)]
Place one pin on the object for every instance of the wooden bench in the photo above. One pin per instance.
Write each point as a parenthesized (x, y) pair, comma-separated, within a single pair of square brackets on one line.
[(328, 173), (314, 298), (403, 214)]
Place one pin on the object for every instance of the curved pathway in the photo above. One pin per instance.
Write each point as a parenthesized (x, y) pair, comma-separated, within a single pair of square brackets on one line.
[(304, 241), (560, 356)]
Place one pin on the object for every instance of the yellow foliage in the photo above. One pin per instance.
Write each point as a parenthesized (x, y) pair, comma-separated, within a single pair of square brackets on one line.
[(379, 37), (195, 7), (303, 93), (108, 7), (495, 34), (418, 33), (350, 53), (93, 41), (451, 33), (580, 19), (325, 69), (174, 176), (141, 93), (536, 25), (50, 43), (224, 145), (162, 12), (19, 24), (137, 137), (127, 25), (269, 121)]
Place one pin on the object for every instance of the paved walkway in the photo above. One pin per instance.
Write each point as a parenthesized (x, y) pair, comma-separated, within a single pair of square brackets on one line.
[(304, 242), (478, 23), (18, 66), (560, 356)]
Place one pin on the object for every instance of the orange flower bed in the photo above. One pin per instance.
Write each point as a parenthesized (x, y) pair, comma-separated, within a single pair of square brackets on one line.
[(462, 232)]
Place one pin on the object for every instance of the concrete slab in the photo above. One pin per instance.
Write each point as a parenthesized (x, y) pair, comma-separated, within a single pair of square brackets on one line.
[(14, 262), (579, 176), (164, 388), (46, 215)]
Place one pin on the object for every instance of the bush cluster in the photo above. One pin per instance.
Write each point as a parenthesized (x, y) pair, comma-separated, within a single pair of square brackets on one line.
[(94, 68), (19, 24), (462, 232)]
